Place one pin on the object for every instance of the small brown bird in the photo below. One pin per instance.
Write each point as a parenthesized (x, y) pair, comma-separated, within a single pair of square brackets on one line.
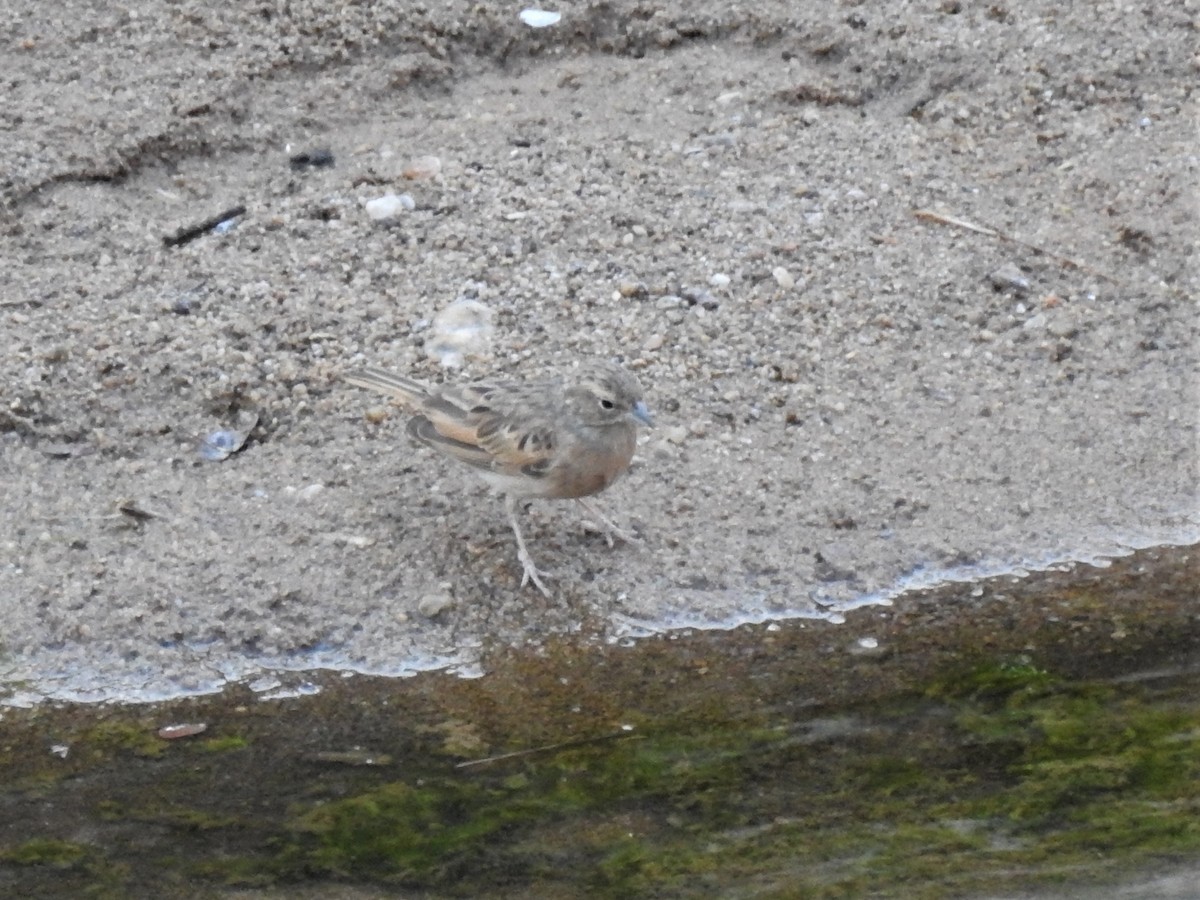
[(565, 438)]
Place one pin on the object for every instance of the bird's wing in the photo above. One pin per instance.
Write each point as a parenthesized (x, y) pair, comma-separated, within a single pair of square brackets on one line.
[(504, 428), (499, 427)]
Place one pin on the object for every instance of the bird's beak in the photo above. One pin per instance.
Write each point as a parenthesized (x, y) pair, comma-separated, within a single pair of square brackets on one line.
[(641, 412)]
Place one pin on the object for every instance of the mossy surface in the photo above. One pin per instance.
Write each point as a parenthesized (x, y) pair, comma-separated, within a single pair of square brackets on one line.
[(43, 851), (224, 744), (970, 757)]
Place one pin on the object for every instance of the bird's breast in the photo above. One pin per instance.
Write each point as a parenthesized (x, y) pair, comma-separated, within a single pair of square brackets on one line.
[(594, 463)]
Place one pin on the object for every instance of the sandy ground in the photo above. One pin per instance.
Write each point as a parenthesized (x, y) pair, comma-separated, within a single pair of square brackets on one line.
[(850, 398)]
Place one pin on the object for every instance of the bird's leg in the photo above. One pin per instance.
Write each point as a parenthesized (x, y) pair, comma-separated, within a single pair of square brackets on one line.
[(611, 529), (531, 571)]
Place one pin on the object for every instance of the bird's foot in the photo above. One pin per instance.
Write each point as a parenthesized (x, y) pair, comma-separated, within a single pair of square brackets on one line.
[(607, 526), (532, 573)]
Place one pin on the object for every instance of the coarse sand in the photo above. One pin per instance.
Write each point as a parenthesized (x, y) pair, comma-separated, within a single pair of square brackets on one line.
[(853, 394)]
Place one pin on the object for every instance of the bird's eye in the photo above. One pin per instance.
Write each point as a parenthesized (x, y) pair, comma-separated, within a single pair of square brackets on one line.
[(605, 403)]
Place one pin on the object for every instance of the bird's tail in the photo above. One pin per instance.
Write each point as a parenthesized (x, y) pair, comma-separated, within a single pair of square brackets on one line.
[(409, 392)]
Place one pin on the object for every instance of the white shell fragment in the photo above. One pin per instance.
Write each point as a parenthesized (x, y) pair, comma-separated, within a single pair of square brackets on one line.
[(218, 445), (540, 18), (224, 442), (462, 329), (389, 206)]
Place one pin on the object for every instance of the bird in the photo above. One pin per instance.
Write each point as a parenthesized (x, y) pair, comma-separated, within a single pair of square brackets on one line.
[(564, 437)]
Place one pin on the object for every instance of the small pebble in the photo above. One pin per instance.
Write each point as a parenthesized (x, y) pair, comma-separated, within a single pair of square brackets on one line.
[(783, 278), (322, 158), (309, 491), (432, 604), (654, 342), (719, 280), (867, 646), (376, 415), (1035, 322), (175, 732), (700, 297), (1063, 326), (423, 168), (1009, 278), (357, 541)]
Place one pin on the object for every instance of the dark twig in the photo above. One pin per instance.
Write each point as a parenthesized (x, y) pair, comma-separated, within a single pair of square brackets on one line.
[(931, 216), (191, 232), (548, 748)]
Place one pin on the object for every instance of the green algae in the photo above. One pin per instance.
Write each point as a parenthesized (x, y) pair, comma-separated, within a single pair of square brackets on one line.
[(70, 869), (224, 744), (1095, 767), (44, 852), (116, 736)]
